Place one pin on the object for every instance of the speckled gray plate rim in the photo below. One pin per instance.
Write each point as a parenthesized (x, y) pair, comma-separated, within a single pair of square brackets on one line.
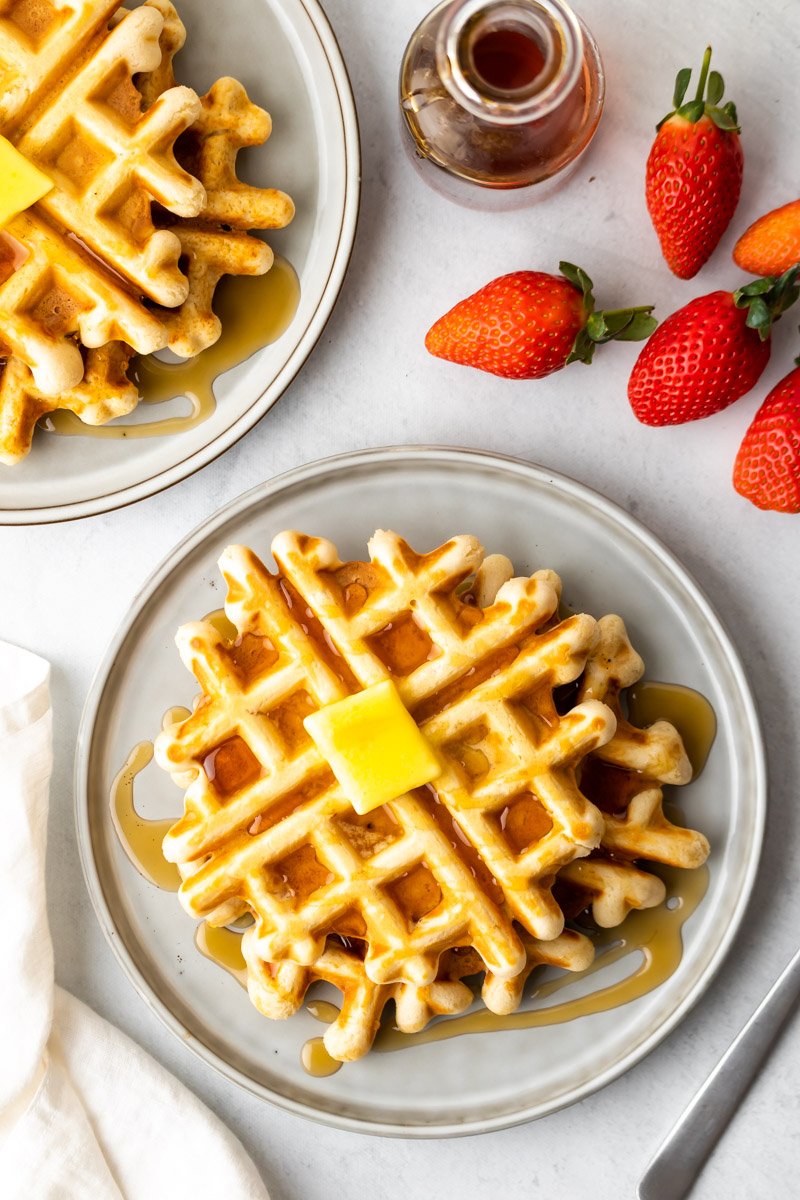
[(609, 562)]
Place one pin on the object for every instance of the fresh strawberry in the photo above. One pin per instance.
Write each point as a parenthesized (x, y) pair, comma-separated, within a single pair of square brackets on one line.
[(772, 243), (694, 172), (708, 353), (528, 324), (767, 469)]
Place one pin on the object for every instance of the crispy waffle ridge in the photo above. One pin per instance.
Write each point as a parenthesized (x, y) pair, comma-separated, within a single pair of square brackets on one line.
[(88, 250), (216, 241), (623, 779), (278, 990), (104, 392), (461, 863)]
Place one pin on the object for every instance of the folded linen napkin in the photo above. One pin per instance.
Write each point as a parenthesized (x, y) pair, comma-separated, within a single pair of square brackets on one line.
[(85, 1114)]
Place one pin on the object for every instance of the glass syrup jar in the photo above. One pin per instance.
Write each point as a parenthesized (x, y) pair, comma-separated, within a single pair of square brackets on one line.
[(499, 98)]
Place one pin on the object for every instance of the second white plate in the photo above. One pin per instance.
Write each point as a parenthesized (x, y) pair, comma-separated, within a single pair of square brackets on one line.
[(285, 53)]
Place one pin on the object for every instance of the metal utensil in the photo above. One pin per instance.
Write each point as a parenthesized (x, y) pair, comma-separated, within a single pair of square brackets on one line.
[(677, 1164)]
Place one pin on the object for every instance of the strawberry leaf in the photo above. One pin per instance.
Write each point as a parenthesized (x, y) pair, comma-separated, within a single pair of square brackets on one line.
[(640, 327), (579, 279), (600, 327), (706, 101), (583, 350), (692, 111), (757, 288), (681, 85), (758, 314), (716, 87), (619, 324), (765, 299), (616, 322), (596, 327), (724, 118)]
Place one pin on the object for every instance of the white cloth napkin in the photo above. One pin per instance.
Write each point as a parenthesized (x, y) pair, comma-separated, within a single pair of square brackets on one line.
[(85, 1114)]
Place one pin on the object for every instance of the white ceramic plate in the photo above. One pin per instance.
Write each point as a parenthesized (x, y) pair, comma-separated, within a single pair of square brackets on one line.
[(609, 564), (285, 53)]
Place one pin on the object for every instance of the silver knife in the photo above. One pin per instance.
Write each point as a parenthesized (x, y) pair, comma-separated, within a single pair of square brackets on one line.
[(677, 1164)]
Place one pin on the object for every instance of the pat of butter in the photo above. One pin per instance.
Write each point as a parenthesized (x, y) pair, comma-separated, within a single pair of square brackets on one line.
[(21, 183), (373, 746)]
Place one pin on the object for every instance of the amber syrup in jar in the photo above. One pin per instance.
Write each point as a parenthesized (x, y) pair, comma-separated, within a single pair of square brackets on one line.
[(499, 98)]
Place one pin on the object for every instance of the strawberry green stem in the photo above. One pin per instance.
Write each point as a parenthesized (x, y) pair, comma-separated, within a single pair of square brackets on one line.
[(701, 86), (707, 98), (629, 312)]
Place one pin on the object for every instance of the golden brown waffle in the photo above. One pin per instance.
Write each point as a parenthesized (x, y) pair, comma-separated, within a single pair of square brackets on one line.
[(70, 107), (103, 393), (267, 827), (55, 290), (622, 779), (217, 241), (37, 37), (278, 990)]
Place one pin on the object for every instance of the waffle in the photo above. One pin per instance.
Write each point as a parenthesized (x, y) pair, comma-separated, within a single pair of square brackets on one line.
[(59, 290), (278, 990), (88, 93), (90, 246), (217, 241), (622, 778), (266, 827), (103, 393)]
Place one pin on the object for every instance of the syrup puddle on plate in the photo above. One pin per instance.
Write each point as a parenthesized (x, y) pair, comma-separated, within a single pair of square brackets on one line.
[(224, 947), (141, 838), (689, 711), (316, 1061), (654, 935), (223, 624), (255, 311)]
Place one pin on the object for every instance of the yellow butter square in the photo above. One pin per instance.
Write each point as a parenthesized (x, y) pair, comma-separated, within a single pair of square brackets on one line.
[(21, 183), (373, 746)]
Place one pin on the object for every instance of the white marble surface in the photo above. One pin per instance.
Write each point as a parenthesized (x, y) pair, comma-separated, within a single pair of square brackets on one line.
[(64, 589)]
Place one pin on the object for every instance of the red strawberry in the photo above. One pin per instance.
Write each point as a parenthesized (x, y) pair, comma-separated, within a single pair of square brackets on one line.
[(694, 173), (767, 469), (528, 324), (708, 353), (772, 243)]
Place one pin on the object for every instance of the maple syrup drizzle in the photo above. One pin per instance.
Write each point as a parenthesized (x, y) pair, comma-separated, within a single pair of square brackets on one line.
[(12, 255), (654, 934), (689, 711), (255, 311), (141, 838), (316, 1060), (322, 1010), (223, 947), (223, 624)]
